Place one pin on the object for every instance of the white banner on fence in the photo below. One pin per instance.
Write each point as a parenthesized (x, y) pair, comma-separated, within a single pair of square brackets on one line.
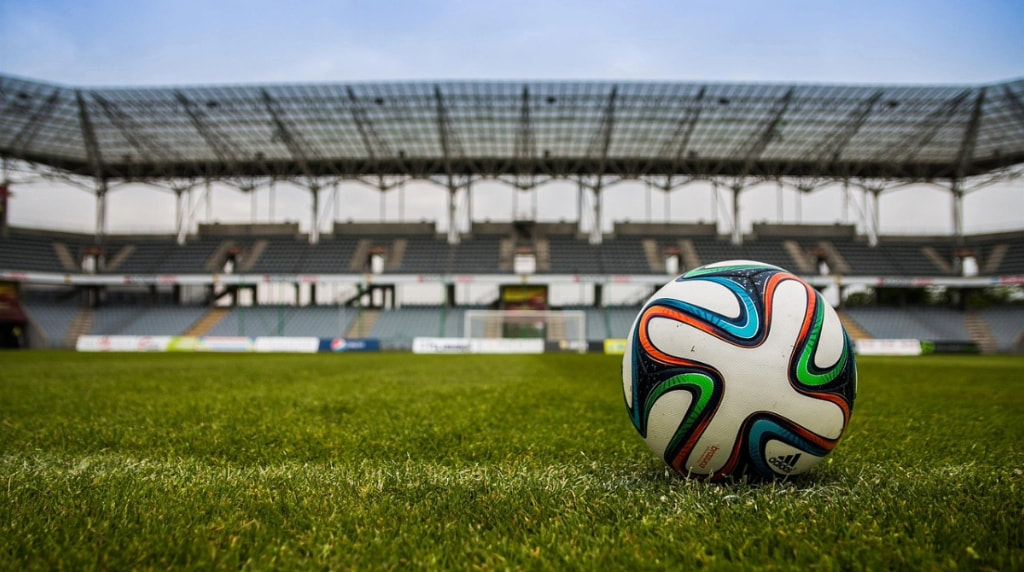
[(440, 346), (506, 346), (224, 344), (888, 347), (122, 343), (286, 345)]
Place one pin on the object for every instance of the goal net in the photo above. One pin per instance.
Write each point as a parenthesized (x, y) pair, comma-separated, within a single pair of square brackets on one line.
[(567, 327)]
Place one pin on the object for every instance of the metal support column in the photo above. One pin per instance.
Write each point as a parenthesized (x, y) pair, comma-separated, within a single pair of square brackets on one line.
[(647, 202), (469, 204), (714, 203), (668, 199), (179, 214), (209, 201), (846, 202), (875, 211), (958, 210), (271, 192), (314, 221), (579, 205), (798, 216), (101, 209), (337, 202), (5, 195), (737, 233), (401, 201), (595, 230), (253, 206), (453, 221), (779, 209)]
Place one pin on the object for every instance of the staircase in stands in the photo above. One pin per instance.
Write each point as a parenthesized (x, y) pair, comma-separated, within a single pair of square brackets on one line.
[(80, 326), (853, 328), (362, 325), (207, 322), (980, 332)]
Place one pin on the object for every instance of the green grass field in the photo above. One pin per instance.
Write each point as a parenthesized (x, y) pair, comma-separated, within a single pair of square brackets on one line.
[(404, 461)]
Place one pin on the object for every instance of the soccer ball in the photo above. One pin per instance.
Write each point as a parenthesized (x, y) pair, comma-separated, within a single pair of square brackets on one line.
[(739, 367)]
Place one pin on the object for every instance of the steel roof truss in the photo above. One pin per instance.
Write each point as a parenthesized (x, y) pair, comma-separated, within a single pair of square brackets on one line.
[(31, 128)]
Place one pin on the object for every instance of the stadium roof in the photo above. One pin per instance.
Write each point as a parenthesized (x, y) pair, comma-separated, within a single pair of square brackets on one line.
[(492, 128)]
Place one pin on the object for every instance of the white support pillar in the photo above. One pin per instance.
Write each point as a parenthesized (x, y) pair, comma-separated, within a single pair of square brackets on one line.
[(187, 210)]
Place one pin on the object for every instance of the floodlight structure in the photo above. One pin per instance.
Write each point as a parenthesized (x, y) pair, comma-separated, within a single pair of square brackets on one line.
[(667, 134)]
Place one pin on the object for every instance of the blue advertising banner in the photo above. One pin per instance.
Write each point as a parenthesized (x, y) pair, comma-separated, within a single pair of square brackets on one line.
[(349, 345)]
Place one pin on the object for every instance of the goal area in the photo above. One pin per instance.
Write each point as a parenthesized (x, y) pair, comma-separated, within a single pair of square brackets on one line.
[(566, 327)]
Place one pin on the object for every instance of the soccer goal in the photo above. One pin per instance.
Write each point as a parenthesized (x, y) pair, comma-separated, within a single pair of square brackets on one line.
[(567, 327)]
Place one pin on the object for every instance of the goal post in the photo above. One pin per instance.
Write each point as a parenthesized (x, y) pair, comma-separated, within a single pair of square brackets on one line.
[(568, 326)]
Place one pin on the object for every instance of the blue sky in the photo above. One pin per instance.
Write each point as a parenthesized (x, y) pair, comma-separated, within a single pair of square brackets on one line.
[(174, 42), (194, 41)]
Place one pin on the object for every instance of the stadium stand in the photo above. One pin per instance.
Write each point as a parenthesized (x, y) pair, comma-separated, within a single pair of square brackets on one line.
[(396, 328), (1007, 326), (477, 255), (610, 322), (927, 323), (283, 256), (318, 321), (28, 252), (768, 250), (52, 318), (556, 254), (330, 256), (135, 320), (425, 255), (999, 255), (624, 255), (570, 255)]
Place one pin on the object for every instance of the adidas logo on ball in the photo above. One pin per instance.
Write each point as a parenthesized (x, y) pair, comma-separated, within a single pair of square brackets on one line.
[(785, 464)]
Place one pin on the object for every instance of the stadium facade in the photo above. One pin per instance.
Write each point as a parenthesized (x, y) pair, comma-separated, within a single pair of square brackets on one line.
[(526, 134)]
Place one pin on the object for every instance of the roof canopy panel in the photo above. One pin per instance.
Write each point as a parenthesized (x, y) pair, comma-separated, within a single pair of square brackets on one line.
[(496, 128)]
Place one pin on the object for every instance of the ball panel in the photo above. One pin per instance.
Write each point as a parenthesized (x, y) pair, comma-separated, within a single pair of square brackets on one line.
[(711, 295), (832, 342), (628, 359), (663, 420)]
